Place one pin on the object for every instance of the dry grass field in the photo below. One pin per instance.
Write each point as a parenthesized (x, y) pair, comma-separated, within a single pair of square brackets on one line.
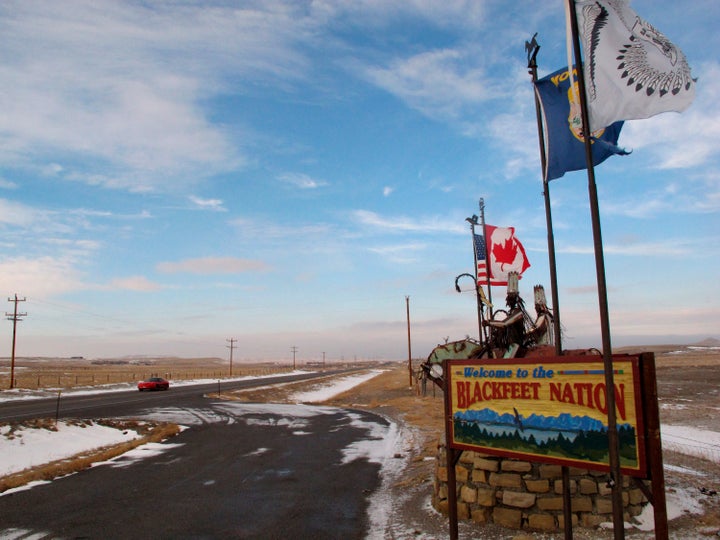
[(62, 373)]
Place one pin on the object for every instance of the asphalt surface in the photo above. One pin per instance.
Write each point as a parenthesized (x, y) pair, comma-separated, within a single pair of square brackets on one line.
[(123, 403), (239, 471)]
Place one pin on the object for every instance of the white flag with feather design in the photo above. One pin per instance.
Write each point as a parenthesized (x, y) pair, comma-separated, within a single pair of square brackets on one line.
[(631, 69)]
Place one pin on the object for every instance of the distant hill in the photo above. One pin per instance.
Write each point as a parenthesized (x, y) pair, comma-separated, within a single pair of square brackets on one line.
[(707, 342), (666, 348)]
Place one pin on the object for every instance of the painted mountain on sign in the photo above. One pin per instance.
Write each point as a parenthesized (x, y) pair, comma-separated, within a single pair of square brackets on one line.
[(564, 436), (562, 422)]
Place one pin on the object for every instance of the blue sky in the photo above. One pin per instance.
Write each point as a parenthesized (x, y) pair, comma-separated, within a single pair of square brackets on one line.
[(175, 174)]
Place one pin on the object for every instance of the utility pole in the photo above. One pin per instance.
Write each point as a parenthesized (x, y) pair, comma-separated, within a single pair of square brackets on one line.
[(15, 317), (323, 359), (294, 350), (231, 347), (407, 309)]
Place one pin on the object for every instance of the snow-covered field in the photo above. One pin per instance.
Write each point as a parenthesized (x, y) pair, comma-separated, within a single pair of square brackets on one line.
[(29, 447)]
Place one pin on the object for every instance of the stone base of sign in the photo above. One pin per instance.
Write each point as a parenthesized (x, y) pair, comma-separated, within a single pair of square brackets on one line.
[(524, 495)]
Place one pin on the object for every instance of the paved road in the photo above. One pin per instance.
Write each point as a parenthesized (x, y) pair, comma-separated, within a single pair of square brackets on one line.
[(123, 403), (239, 471)]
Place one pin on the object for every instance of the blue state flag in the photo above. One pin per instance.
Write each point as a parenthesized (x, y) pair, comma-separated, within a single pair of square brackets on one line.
[(562, 126)]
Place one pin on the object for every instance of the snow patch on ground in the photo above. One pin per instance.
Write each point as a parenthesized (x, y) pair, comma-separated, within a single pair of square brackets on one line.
[(334, 387), (383, 502), (381, 442), (24, 448), (136, 454), (185, 417), (679, 502), (683, 470), (258, 452), (691, 441)]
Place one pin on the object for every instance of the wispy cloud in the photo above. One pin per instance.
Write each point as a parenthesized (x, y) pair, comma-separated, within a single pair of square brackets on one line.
[(208, 204), (399, 253), (44, 276), (266, 230), (213, 265), (679, 141), (62, 234), (380, 13), (686, 196), (14, 213), (302, 181), (642, 249), (402, 223), (135, 283), (120, 87), (7, 184), (441, 84)]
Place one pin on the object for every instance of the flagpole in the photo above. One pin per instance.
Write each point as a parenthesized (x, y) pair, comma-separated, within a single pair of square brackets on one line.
[(533, 49), (481, 204), (613, 442), (478, 291)]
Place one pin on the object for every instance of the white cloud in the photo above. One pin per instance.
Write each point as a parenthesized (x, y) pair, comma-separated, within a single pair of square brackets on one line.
[(120, 87), (642, 249), (302, 181), (135, 283), (449, 13), (29, 230), (253, 230), (400, 254), (387, 191), (213, 265), (690, 195), (441, 84), (7, 184), (432, 224), (208, 204), (688, 139), (44, 276), (13, 213), (512, 132)]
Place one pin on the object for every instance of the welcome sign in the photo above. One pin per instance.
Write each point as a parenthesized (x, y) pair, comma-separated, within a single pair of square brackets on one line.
[(552, 410)]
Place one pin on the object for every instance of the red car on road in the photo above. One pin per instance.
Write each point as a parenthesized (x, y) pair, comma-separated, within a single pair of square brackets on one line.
[(154, 383)]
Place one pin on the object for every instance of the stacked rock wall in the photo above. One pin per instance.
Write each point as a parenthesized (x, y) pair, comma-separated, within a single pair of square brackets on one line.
[(524, 495)]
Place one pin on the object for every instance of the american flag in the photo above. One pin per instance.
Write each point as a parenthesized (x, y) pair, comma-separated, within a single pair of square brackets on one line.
[(481, 256)]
